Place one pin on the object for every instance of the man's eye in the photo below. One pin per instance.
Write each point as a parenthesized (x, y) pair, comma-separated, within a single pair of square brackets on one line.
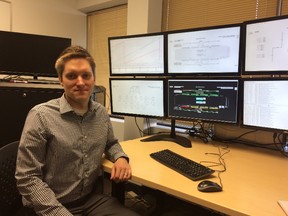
[(86, 76), (71, 76)]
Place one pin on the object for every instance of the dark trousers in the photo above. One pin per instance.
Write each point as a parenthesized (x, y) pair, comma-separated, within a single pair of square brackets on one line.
[(25, 211), (101, 205), (94, 205)]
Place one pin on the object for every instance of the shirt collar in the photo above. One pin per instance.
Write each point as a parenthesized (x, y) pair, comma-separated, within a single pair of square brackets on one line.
[(65, 107)]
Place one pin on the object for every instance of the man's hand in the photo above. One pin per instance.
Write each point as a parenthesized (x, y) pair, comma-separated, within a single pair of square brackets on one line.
[(121, 170)]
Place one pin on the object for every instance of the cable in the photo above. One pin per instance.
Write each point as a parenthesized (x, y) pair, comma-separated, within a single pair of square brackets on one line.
[(198, 130), (237, 138), (221, 161), (281, 141), (142, 133), (255, 144), (139, 129), (149, 129)]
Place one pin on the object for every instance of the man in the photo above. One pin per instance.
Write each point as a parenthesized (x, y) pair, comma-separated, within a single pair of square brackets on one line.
[(61, 147)]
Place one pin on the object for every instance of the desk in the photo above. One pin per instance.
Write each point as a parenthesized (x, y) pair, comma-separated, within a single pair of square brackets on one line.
[(253, 183)]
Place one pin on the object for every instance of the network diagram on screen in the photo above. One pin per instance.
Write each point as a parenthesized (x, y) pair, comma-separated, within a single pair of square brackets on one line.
[(267, 46), (137, 97), (204, 51), (214, 100)]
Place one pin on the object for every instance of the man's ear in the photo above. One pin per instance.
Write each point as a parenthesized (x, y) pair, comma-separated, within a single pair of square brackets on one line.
[(60, 80)]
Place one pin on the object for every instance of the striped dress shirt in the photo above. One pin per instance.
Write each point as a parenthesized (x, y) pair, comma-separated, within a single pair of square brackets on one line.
[(60, 154)]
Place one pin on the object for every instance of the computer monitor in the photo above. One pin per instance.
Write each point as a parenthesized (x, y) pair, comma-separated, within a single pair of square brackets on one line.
[(265, 103), (266, 46), (30, 54), (137, 97), (210, 100), (136, 55), (204, 51), (143, 98)]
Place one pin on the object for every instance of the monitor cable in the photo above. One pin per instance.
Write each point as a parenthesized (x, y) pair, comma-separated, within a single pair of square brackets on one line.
[(222, 151), (270, 146)]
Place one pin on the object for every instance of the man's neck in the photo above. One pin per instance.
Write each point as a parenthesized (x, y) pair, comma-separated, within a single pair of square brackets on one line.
[(80, 112), (79, 105)]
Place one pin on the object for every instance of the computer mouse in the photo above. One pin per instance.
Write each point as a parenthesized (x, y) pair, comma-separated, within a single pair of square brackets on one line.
[(209, 186)]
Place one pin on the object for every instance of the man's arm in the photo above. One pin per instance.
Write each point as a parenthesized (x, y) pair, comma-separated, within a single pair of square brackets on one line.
[(121, 170), (30, 166)]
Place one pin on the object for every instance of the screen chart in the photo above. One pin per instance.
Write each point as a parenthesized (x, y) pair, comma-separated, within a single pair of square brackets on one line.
[(204, 51), (210, 100), (265, 103), (137, 97), (266, 47), (137, 55)]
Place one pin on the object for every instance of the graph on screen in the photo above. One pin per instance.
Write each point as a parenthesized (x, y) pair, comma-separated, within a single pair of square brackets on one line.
[(204, 51), (137, 55)]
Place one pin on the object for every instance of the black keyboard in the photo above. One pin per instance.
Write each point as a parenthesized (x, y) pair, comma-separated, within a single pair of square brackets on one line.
[(184, 166)]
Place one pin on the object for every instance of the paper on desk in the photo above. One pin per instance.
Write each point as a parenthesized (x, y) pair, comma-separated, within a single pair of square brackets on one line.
[(284, 205)]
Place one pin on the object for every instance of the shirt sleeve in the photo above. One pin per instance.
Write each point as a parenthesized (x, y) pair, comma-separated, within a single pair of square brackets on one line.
[(30, 166), (113, 149)]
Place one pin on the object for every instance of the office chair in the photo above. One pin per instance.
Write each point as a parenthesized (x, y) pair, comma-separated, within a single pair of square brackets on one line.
[(10, 199), (99, 94)]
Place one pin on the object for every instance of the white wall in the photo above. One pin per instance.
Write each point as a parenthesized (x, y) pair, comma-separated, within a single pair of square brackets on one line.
[(5, 15), (60, 18)]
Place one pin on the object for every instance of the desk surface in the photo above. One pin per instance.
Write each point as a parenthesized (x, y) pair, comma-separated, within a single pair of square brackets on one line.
[(253, 183)]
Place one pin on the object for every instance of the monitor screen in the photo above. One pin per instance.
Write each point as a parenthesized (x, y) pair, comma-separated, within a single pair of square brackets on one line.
[(203, 99), (29, 54), (266, 46), (211, 50), (265, 103), (137, 55), (137, 97)]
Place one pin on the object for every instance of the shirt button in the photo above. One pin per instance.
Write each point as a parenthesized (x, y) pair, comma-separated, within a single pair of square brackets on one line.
[(85, 137), (85, 155)]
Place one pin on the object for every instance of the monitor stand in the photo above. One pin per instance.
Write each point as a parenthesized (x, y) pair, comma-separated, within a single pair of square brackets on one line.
[(183, 141)]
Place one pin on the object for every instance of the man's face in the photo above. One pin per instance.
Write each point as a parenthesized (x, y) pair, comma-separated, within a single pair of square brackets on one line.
[(78, 82)]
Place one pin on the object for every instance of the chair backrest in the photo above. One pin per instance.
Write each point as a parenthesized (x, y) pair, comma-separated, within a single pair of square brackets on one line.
[(10, 199)]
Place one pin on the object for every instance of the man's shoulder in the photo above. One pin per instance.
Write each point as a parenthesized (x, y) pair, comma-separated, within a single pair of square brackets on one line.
[(97, 106), (51, 104)]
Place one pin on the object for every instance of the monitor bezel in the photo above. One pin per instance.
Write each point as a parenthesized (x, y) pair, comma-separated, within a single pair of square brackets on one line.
[(241, 122), (163, 73), (199, 73), (259, 72), (135, 114), (66, 42), (236, 122)]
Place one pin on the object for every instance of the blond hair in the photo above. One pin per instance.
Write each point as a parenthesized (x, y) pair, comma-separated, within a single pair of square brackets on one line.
[(73, 52)]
